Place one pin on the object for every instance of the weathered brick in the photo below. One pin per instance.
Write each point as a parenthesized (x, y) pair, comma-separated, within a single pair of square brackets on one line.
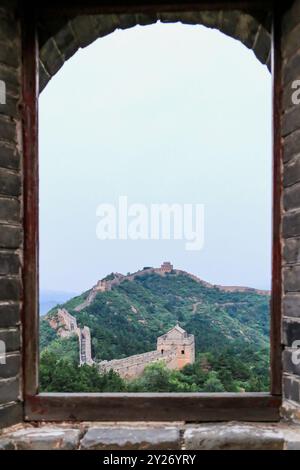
[(10, 183), (11, 77), (9, 263), (211, 19), (7, 129), (12, 366), (291, 224), (9, 157), (9, 210), (10, 288), (10, 414), (290, 365), (11, 338), (291, 251), (291, 388), (262, 45), (126, 21), (46, 438), (291, 18), (11, 107), (44, 76), (288, 91), (291, 278), (9, 314), (186, 17), (9, 389), (291, 197), (9, 54), (66, 42), (232, 436), (291, 173), (291, 69), (290, 331), (101, 438), (291, 146), (104, 25), (150, 18), (247, 29), (8, 30), (50, 27), (291, 305), (230, 23), (51, 57), (85, 28), (291, 120), (291, 42), (10, 237)]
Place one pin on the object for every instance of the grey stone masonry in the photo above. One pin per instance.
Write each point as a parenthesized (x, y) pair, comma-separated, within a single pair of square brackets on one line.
[(45, 438), (98, 438), (233, 437), (81, 31), (10, 216), (152, 436), (291, 206)]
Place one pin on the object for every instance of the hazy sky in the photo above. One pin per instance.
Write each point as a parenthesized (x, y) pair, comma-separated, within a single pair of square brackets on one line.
[(167, 113)]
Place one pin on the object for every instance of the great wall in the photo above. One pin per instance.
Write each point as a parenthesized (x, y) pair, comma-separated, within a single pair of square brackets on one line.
[(66, 325), (166, 268), (176, 348)]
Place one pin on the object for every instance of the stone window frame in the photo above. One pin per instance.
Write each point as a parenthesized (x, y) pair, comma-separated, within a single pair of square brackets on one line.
[(135, 406)]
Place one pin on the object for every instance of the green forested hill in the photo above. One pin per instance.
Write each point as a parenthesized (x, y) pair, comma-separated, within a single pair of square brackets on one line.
[(128, 319)]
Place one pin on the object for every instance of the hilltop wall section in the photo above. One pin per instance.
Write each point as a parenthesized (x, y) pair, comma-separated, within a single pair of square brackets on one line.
[(66, 326), (105, 285)]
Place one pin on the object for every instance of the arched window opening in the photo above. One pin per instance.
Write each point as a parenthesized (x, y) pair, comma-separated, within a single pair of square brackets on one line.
[(155, 214)]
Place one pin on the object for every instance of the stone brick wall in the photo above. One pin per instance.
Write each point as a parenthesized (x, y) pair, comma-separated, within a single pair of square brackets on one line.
[(58, 43), (133, 366), (10, 215), (291, 204), (155, 436)]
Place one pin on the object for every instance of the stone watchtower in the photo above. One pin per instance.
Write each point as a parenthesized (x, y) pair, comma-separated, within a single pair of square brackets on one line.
[(166, 267), (179, 340)]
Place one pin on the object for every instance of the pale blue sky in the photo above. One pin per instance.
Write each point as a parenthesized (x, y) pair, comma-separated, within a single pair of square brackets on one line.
[(164, 113)]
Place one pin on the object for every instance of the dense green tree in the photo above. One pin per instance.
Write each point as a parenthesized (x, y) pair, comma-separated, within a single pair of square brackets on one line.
[(60, 375)]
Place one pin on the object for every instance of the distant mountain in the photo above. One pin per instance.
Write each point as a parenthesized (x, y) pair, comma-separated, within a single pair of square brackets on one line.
[(49, 298)]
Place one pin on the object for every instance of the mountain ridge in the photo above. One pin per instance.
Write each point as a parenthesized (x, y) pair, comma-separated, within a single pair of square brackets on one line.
[(152, 300), (107, 283)]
